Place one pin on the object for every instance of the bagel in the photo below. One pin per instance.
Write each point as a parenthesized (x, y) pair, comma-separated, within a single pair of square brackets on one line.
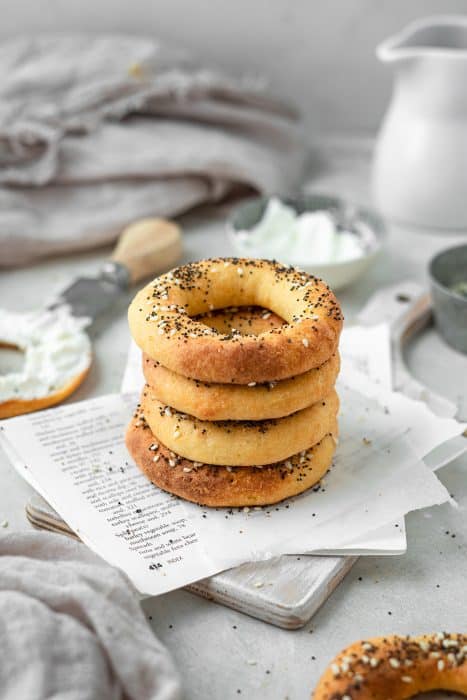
[(238, 402), (397, 668), (162, 324), (57, 358), (226, 486), (239, 443)]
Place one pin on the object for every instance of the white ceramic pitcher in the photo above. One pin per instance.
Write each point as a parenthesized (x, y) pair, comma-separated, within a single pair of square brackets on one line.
[(420, 164)]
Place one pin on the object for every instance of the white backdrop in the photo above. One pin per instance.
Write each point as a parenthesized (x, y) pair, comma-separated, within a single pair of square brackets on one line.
[(318, 52)]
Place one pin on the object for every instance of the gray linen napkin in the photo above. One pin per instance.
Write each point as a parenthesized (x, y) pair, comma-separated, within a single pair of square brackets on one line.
[(72, 628), (98, 130)]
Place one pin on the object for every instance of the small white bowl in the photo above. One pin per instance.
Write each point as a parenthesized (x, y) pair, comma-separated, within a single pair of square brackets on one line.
[(347, 216)]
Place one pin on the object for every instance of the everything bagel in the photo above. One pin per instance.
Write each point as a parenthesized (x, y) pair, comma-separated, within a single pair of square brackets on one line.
[(239, 402), (397, 668), (226, 486), (240, 443), (162, 324)]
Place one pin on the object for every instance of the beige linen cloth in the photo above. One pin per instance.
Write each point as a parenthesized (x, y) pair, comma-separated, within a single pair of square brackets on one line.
[(96, 131), (71, 627)]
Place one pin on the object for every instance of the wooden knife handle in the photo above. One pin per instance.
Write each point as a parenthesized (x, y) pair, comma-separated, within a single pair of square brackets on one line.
[(148, 247)]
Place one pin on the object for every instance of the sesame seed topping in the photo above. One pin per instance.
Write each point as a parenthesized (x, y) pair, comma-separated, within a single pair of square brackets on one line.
[(394, 662), (174, 309), (305, 342), (407, 679), (449, 643)]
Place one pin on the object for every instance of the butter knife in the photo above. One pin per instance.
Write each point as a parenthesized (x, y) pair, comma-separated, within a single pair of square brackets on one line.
[(145, 248)]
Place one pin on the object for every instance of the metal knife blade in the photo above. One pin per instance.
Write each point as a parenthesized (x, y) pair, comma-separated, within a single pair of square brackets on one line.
[(88, 297)]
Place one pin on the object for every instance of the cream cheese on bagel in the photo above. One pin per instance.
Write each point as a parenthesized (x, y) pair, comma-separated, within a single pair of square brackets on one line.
[(56, 351)]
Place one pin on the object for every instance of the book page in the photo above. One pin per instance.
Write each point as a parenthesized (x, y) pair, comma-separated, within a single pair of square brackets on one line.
[(76, 458)]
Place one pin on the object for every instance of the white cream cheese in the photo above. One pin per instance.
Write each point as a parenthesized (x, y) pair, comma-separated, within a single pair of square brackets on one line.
[(56, 349), (311, 238)]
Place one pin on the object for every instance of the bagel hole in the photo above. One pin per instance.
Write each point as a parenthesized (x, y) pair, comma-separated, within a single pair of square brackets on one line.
[(246, 320), (11, 359)]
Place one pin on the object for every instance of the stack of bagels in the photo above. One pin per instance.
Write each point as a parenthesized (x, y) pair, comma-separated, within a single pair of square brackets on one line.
[(240, 358)]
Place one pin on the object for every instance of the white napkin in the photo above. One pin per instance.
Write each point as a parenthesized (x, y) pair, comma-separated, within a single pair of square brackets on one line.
[(96, 131), (72, 627)]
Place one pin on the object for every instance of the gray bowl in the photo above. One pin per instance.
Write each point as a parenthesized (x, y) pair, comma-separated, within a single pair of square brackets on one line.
[(448, 269)]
